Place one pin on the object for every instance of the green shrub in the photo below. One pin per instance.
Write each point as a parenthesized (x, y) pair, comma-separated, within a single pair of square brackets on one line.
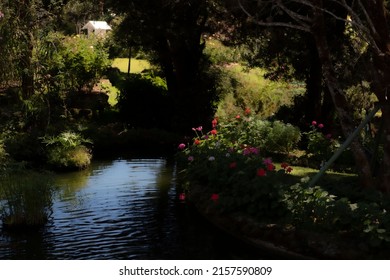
[(71, 63), (67, 151), (144, 101), (269, 136), (316, 209), (25, 198), (23, 146)]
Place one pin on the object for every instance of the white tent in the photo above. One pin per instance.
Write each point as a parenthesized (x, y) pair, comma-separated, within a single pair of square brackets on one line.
[(98, 28)]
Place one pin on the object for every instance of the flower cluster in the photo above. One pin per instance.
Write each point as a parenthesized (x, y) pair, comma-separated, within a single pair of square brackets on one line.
[(320, 145), (218, 159)]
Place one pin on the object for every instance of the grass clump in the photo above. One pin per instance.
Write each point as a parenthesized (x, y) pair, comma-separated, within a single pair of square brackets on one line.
[(25, 198)]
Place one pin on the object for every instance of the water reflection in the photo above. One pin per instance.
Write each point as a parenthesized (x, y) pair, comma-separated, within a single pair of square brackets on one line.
[(121, 209)]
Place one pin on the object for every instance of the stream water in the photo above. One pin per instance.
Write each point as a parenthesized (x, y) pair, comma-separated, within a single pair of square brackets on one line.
[(122, 209)]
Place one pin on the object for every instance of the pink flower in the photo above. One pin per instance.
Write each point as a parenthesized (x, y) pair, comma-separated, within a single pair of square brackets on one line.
[(261, 172), (214, 197), (320, 125), (199, 128), (254, 150), (314, 123), (190, 158), (328, 136), (182, 146), (238, 117), (267, 161), (182, 196)]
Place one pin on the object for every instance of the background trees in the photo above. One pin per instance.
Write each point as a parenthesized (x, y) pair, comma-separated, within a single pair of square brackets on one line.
[(172, 31), (364, 34)]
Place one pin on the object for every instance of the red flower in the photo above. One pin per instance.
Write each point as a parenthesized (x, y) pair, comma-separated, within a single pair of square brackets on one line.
[(288, 169), (284, 165), (247, 111), (270, 167), (214, 123), (261, 172), (182, 196), (197, 142), (233, 165), (213, 132), (320, 125), (214, 197), (314, 123)]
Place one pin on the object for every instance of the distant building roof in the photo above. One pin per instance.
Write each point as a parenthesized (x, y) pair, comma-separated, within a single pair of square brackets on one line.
[(96, 25)]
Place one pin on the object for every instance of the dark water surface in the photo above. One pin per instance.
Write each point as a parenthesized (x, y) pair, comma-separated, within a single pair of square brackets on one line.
[(122, 209)]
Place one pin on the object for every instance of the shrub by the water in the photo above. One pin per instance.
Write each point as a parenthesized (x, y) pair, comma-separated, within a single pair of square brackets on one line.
[(68, 151)]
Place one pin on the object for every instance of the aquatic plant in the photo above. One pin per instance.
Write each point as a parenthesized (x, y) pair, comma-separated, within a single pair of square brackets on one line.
[(25, 198)]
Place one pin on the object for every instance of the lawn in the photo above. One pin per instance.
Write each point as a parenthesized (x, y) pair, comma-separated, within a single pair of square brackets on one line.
[(136, 65)]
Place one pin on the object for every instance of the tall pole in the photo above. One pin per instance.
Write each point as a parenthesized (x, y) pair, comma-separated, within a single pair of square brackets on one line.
[(128, 66), (345, 145)]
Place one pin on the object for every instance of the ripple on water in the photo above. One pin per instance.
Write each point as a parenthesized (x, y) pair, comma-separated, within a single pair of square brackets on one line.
[(121, 209)]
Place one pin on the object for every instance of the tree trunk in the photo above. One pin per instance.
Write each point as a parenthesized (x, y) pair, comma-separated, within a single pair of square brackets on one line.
[(338, 97), (314, 86)]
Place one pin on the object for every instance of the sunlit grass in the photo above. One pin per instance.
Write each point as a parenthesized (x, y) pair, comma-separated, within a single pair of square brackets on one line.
[(136, 65)]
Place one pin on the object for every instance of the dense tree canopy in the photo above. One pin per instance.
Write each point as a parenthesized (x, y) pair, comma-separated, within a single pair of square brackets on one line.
[(365, 30), (172, 31)]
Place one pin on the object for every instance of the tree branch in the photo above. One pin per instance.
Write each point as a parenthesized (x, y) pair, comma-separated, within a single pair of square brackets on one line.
[(304, 28)]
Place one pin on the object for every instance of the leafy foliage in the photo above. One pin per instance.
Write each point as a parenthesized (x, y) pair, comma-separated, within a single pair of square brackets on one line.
[(243, 88), (144, 101), (268, 136), (226, 173), (67, 151), (71, 63), (316, 209)]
